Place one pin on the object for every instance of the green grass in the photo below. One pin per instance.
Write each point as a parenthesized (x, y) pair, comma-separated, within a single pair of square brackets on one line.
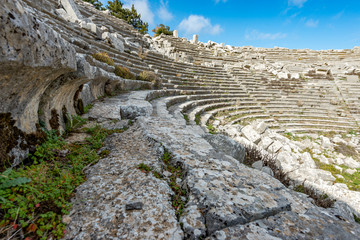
[(88, 107), (211, 128), (54, 170), (186, 117), (197, 119), (144, 168), (352, 181), (176, 171)]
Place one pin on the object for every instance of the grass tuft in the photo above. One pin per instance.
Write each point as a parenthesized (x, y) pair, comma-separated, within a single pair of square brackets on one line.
[(124, 72), (103, 57)]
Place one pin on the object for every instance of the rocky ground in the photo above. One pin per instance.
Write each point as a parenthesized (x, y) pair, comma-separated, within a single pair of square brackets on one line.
[(130, 194)]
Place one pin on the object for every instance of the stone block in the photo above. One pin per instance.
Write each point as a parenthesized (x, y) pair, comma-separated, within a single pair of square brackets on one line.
[(275, 147), (265, 142), (261, 127), (195, 39), (72, 10), (307, 161), (257, 165), (251, 134), (350, 162), (226, 145), (325, 142), (175, 33)]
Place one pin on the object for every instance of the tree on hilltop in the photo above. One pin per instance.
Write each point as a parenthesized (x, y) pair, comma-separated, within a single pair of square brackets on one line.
[(162, 29), (97, 4), (129, 15)]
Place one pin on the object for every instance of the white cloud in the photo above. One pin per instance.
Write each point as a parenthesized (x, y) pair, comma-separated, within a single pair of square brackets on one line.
[(297, 3), (217, 1), (196, 24), (339, 15), (142, 7), (312, 23), (163, 13), (256, 35)]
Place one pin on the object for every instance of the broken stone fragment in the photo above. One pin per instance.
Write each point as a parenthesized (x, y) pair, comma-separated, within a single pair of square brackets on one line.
[(226, 145), (134, 206), (251, 134)]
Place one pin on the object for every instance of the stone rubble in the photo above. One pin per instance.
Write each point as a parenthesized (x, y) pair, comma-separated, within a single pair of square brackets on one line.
[(300, 166)]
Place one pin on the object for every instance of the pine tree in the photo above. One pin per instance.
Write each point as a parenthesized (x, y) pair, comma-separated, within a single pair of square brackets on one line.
[(130, 16), (162, 29), (97, 4)]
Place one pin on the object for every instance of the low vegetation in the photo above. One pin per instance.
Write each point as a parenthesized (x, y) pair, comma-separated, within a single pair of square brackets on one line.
[(179, 197), (321, 200), (103, 57), (35, 196), (197, 119), (252, 154), (186, 117), (124, 72), (150, 77), (211, 128)]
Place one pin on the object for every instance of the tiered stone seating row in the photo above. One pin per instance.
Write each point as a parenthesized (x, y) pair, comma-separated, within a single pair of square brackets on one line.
[(235, 97), (287, 104)]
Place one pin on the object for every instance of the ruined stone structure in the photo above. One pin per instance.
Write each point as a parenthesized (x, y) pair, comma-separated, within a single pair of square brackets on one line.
[(252, 95)]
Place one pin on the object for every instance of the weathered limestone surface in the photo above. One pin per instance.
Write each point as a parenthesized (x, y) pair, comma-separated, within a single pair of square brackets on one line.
[(30, 50), (43, 70), (118, 201), (48, 74), (226, 199)]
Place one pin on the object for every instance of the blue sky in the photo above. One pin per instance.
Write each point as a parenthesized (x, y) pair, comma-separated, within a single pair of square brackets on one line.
[(314, 24)]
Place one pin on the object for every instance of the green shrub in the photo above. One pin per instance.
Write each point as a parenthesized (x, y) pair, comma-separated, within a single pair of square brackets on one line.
[(103, 57), (162, 29), (124, 72)]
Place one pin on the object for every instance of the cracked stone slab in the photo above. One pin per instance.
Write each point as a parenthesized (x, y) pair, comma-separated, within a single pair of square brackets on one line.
[(313, 224), (118, 201)]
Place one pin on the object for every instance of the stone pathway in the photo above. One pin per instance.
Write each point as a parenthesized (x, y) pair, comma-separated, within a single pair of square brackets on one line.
[(226, 199), (118, 201)]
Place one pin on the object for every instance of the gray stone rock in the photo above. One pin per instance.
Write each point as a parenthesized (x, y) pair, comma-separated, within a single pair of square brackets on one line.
[(265, 142), (134, 206), (30, 50), (303, 226), (251, 134), (267, 170), (261, 127), (275, 147), (72, 10), (325, 142), (257, 165), (350, 171), (350, 162), (226, 145), (116, 40)]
